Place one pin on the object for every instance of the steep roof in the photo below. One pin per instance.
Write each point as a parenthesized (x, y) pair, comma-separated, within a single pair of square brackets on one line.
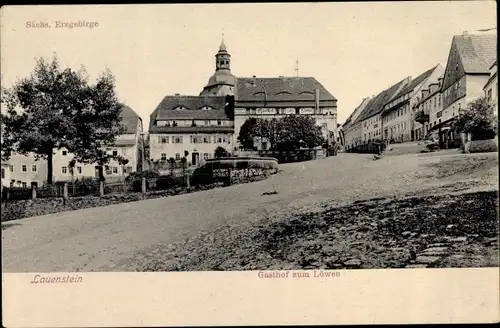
[(377, 103), (189, 108), (415, 82), (361, 106), (130, 119), (477, 52), (280, 89)]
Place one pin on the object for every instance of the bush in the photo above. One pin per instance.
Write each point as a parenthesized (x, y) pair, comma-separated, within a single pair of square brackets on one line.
[(478, 120), (221, 152)]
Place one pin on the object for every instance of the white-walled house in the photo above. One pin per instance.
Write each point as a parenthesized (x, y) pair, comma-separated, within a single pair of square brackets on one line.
[(352, 127), (491, 87), (196, 124), (399, 114), (29, 171)]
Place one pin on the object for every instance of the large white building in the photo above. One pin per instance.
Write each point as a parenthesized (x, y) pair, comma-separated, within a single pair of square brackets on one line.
[(196, 124)]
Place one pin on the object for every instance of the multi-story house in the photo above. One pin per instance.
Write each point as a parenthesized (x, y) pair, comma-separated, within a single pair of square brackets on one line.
[(352, 128), (429, 110), (196, 124), (371, 118), (398, 114), (26, 170), (269, 98), (491, 86), (467, 71)]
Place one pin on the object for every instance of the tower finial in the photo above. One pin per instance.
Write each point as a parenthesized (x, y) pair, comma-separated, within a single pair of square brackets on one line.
[(222, 45)]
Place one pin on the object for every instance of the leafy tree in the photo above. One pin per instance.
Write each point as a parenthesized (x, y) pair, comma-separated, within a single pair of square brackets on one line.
[(56, 108), (221, 152), (247, 132), (297, 131), (478, 119)]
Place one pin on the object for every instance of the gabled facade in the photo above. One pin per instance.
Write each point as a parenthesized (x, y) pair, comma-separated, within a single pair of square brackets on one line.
[(467, 70)]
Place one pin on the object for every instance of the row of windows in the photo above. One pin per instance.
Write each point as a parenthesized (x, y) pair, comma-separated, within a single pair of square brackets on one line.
[(177, 156), (191, 123), (196, 139), (400, 112), (114, 152), (455, 86), (24, 168), (371, 121)]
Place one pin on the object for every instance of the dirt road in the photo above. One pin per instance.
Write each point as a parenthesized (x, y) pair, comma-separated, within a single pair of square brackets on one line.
[(111, 238)]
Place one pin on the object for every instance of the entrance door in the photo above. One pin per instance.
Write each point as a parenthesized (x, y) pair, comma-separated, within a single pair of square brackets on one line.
[(195, 158)]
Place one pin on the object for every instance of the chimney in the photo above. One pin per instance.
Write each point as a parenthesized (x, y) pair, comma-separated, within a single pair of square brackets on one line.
[(316, 97), (465, 33), (253, 80)]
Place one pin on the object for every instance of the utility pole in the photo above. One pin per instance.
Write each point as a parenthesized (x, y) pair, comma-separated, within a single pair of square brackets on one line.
[(296, 68)]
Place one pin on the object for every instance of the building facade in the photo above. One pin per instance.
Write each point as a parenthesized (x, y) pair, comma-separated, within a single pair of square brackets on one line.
[(467, 71), (27, 171), (399, 114), (491, 87), (269, 98), (193, 124), (351, 128), (371, 119), (429, 109)]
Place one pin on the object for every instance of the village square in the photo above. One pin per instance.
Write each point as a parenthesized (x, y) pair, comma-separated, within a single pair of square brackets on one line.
[(252, 172)]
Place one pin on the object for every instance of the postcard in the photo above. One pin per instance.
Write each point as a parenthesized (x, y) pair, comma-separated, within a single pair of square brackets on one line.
[(249, 164)]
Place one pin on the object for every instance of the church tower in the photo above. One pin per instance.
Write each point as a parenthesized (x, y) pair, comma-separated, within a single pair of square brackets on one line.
[(222, 58), (222, 82)]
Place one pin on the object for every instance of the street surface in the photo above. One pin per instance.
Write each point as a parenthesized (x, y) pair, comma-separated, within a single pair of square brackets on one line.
[(111, 238)]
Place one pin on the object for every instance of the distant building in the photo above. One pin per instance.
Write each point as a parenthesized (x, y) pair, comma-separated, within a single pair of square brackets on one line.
[(281, 96), (196, 124), (399, 114), (272, 97), (351, 128), (467, 71), (491, 86), (371, 117), (25, 170)]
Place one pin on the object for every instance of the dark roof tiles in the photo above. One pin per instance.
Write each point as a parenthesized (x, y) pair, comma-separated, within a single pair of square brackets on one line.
[(280, 89), (130, 119), (189, 108), (415, 82), (477, 52)]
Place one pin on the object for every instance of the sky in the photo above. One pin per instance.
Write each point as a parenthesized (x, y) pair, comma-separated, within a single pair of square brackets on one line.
[(354, 49)]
